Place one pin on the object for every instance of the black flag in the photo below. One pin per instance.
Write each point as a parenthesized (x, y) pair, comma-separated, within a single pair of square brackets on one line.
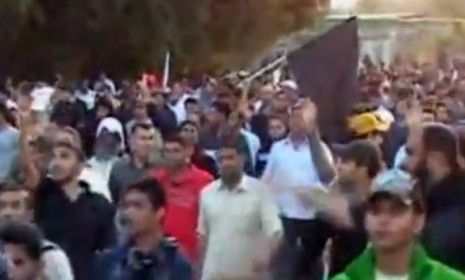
[(326, 70)]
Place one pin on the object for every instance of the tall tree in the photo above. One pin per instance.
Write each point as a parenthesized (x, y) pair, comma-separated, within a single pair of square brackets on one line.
[(125, 37)]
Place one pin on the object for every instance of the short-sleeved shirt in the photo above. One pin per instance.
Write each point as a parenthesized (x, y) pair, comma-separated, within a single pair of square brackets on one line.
[(81, 227), (237, 225), (123, 174), (183, 196)]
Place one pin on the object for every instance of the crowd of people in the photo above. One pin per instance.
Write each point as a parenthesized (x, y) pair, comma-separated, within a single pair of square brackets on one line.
[(206, 181)]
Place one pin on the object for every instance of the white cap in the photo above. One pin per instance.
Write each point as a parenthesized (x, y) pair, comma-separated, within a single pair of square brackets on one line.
[(289, 84), (112, 125)]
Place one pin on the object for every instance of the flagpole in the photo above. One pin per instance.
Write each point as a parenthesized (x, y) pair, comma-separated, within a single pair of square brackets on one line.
[(166, 70), (264, 69)]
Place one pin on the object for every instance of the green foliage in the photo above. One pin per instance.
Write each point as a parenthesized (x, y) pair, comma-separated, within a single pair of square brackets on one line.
[(124, 37)]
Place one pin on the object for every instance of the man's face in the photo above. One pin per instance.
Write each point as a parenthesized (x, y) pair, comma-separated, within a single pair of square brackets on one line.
[(138, 216), (281, 102), (189, 134), (193, 108), (102, 112), (65, 164), (231, 163), (442, 115), (14, 206), (174, 154), (392, 225), (266, 93), (214, 117), (140, 112), (276, 129), (415, 161), (143, 142), (21, 266)]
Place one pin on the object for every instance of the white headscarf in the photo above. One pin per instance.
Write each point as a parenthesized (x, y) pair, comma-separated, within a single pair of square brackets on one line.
[(114, 126)]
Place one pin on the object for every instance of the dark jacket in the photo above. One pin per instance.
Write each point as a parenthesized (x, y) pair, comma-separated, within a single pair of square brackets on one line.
[(348, 243), (422, 268), (164, 263), (445, 222)]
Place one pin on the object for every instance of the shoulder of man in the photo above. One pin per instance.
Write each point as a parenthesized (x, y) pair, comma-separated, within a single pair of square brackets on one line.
[(211, 187), (341, 277), (180, 266), (443, 272)]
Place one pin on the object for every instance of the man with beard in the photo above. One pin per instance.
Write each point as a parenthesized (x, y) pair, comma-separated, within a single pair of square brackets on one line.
[(69, 214), (239, 224), (432, 157)]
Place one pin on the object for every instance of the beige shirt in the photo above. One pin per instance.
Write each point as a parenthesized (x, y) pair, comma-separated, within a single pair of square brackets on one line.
[(239, 227)]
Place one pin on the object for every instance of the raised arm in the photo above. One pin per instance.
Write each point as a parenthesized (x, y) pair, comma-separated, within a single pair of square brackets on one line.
[(322, 158), (31, 173)]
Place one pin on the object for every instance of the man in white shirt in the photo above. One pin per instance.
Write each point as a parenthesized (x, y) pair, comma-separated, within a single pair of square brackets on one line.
[(239, 224), (295, 165)]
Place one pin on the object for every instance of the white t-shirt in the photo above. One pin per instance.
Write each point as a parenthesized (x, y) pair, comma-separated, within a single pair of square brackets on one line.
[(381, 276)]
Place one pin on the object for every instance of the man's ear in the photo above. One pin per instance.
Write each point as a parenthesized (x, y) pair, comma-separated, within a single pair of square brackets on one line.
[(160, 214), (418, 223)]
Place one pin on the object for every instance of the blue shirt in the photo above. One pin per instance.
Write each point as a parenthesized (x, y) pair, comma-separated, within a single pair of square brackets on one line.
[(9, 148), (164, 263)]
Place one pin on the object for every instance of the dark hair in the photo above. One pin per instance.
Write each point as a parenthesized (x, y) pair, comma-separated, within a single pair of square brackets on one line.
[(63, 115), (152, 189), (106, 103), (440, 138), (8, 188), (228, 142), (42, 144), (6, 114), (364, 154), (25, 88), (25, 235), (186, 123), (190, 100), (222, 108), (143, 126), (174, 138), (73, 147)]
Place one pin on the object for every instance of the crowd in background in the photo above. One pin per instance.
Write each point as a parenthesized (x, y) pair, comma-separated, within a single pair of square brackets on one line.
[(130, 180)]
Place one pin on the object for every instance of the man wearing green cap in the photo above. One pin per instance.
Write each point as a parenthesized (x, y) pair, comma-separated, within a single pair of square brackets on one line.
[(394, 218)]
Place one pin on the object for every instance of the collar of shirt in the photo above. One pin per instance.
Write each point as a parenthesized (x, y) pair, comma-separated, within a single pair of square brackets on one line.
[(186, 176), (288, 141), (241, 187)]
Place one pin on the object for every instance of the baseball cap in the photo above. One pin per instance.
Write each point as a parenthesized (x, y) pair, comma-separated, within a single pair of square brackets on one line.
[(367, 123), (397, 185)]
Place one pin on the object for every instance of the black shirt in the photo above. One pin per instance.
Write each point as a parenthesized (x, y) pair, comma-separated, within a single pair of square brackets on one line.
[(81, 228), (348, 243)]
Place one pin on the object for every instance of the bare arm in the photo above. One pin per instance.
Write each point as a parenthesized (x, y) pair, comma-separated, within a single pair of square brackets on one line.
[(31, 173), (322, 158)]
